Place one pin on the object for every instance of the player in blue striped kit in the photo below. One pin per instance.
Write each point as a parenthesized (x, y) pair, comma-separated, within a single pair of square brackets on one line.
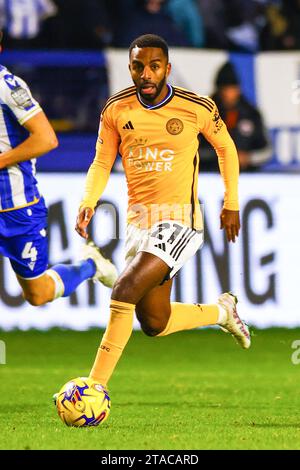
[(25, 134)]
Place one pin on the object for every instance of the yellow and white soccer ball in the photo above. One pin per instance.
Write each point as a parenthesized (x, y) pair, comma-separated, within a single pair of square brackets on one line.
[(83, 402)]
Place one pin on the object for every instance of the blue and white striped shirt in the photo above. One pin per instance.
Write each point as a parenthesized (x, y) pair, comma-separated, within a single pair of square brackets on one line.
[(18, 185)]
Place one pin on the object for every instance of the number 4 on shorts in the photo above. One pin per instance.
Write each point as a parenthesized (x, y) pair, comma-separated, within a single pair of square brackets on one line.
[(29, 252)]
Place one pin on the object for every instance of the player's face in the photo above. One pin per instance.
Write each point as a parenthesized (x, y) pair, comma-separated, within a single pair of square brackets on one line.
[(149, 70), (230, 95)]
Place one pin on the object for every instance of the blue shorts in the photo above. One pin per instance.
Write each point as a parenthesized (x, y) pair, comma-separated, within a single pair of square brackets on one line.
[(23, 239)]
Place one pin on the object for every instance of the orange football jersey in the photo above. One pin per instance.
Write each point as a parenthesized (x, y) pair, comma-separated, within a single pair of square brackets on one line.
[(159, 149)]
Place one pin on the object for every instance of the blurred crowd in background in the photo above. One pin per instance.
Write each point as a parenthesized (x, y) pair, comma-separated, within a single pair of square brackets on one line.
[(238, 25), (246, 26)]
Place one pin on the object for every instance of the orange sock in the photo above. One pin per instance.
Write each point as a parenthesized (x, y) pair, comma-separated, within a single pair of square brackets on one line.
[(189, 316), (114, 340)]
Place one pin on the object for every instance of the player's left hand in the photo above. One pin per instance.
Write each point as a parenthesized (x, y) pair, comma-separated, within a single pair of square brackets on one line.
[(230, 222)]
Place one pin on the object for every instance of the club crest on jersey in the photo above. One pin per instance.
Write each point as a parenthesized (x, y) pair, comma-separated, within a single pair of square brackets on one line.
[(174, 126), (21, 97)]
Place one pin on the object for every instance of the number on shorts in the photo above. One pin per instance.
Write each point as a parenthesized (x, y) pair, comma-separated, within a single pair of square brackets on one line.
[(175, 234), (29, 252), (160, 228), (164, 226)]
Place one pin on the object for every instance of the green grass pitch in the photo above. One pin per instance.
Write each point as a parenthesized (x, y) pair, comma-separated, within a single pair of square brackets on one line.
[(191, 390)]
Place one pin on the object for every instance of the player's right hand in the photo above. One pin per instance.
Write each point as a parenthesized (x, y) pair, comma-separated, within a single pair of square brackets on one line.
[(83, 219)]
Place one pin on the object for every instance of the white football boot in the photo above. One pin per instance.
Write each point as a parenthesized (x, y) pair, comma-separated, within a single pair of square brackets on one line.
[(233, 324), (106, 272)]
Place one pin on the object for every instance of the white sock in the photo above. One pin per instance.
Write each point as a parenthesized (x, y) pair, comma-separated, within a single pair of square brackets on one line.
[(222, 315), (59, 285)]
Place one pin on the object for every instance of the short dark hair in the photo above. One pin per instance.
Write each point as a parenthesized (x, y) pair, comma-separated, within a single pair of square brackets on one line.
[(150, 40)]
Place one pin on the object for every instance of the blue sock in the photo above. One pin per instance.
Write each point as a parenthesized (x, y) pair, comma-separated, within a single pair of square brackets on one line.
[(74, 274)]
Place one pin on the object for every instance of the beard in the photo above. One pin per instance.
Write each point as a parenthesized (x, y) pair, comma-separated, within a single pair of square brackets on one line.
[(150, 97)]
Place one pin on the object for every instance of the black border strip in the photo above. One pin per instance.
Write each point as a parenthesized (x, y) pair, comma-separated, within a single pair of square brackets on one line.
[(193, 101)]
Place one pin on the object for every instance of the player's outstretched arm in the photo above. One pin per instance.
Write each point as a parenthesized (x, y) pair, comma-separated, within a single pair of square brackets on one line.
[(41, 140), (98, 173), (83, 219), (230, 222)]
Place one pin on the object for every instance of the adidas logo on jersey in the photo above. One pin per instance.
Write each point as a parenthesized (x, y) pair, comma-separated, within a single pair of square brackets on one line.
[(129, 125)]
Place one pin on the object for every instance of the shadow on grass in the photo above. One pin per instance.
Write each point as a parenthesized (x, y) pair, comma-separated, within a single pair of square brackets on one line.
[(275, 425)]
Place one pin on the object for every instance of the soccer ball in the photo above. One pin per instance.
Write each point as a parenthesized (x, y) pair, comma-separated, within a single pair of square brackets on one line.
[(83, 402)]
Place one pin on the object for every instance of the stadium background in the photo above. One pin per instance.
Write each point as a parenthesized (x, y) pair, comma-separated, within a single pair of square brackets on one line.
[(211, 394), (262, 267)]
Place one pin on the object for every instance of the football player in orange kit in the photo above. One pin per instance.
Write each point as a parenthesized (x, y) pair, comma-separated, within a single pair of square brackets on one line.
[(154, 126)]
